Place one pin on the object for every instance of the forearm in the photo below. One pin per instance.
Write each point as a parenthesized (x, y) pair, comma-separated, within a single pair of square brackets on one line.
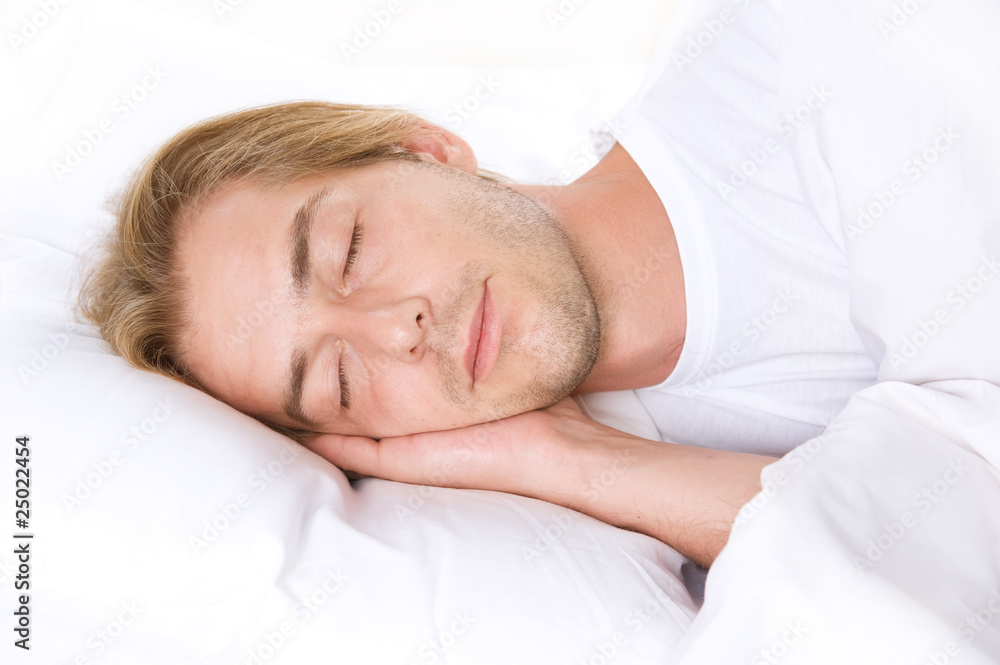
[(685, 496)]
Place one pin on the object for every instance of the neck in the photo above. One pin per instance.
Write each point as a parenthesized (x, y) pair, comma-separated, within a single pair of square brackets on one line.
[(627, 249)]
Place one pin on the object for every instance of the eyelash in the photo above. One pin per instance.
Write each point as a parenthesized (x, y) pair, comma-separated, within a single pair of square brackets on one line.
[(352, 259), (345, 389), (353, 250)]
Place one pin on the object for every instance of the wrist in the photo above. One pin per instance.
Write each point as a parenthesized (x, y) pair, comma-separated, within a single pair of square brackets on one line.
[(610, 470), (685, 496)]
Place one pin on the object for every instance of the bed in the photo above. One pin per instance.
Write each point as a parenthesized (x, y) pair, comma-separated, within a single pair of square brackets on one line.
[(165, 527)]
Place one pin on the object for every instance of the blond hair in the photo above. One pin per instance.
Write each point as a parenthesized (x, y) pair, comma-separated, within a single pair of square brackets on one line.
[(134, 293)]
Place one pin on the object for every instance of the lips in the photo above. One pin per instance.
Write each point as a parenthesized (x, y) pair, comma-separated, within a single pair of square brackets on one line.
[(484, 338)]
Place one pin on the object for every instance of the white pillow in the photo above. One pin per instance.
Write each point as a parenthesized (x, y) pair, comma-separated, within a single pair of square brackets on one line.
[(170, 528)]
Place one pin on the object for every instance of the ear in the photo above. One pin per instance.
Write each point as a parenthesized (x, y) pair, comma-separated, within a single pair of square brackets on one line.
[(437, 143)]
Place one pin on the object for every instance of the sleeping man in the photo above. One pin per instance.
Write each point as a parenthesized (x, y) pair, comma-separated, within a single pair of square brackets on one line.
[(792, 208)]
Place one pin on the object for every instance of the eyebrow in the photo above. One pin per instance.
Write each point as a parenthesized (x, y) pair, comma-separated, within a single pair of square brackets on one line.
[(292, 405), (301, 275), (301, 229)]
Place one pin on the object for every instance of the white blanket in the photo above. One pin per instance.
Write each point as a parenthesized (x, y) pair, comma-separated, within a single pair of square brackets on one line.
[(879, 541)]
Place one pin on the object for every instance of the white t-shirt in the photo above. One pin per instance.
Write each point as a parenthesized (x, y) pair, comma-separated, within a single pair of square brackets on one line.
[(801, 168)]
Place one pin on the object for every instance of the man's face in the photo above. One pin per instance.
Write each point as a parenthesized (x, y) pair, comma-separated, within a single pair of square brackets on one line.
[(383, 300)]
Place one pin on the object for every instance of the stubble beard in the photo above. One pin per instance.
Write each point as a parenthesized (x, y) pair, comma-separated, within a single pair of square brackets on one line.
[(530, 245)]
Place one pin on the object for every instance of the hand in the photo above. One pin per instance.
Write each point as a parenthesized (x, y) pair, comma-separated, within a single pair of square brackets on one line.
[(685, 496), (541, 453)]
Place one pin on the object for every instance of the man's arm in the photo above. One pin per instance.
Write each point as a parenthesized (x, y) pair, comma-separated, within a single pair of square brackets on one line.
[(684, 496)]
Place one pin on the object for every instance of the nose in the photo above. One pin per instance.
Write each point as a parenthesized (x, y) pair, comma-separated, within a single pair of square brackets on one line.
[(394, 327)]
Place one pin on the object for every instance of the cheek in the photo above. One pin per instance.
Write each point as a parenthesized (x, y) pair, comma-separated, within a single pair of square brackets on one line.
[(401, 397), (409, 400)]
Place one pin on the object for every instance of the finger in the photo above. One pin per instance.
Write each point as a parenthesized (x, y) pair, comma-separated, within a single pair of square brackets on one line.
[(357, 454)]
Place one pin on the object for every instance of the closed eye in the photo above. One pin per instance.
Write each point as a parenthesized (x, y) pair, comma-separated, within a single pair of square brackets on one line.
[(349, 263), (345, 389), (353, 250)]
